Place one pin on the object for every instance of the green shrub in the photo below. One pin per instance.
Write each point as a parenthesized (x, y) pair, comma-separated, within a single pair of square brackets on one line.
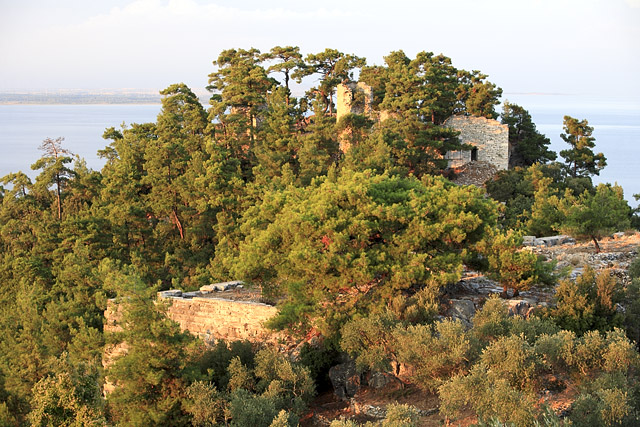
[(434, 352), (247, 409), (489, 396), (492, 321), (401, 416), (371, 341), (204, 403), (512, 359), (588, 303)]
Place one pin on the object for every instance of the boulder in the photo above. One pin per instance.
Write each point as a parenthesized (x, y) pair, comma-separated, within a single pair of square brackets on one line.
[(345, 379), (220, 287), (461, 309), (171, 293), (519, 307), (378, 380)]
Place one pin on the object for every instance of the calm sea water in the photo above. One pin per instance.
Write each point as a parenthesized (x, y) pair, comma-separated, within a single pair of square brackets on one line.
[(23, 127), (616, 128)]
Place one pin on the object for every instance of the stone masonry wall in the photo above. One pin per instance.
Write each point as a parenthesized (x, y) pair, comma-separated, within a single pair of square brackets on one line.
[(217, 318), (211, 318), (353, 98), (489, 136)]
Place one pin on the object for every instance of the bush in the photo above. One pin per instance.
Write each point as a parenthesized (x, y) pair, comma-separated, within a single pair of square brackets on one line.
[(401, 416), (588, 303), (371, 341), (513, 359), (204, 403), (247, 409), (489, 396), (492, 322), (434, 352)]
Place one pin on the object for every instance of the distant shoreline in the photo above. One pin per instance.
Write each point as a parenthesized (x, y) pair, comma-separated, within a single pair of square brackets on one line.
[(84, 98), (77, 99)]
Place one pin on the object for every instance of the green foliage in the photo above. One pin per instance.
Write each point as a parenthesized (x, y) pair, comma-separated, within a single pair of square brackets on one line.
[(492, 322), (596, 215), (528, 145), (335, 249), (371, 341), (588, 303), (510, 265), (70, 397), (247, 409), (401, 416), (150, 377), (204, 403), (213, 362), (489, 395), (580, 158), (435, 353)]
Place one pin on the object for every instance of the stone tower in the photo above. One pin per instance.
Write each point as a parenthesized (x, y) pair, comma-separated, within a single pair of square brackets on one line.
[(489, 139), (353, 98)]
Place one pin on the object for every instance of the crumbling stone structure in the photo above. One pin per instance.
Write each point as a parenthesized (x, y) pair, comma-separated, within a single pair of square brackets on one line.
[(205, 313), (489, 138), (354, 98), (218, 318), (209, 315)]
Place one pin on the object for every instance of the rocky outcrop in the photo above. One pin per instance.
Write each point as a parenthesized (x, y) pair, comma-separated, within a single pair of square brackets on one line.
[(345, 379)]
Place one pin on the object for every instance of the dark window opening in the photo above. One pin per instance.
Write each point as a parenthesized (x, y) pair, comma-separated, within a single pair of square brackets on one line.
[(474, 154)]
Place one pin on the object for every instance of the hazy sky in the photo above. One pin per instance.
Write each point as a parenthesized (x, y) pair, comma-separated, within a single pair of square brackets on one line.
[(553, 46)]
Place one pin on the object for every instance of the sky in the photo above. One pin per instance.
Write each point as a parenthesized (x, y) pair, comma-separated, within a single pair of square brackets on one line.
[(577, 47)]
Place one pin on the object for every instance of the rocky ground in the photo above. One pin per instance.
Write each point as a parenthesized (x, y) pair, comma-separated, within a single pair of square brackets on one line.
[(367, 400)]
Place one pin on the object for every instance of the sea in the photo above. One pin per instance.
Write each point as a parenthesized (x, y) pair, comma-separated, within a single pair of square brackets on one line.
[(616, 124)]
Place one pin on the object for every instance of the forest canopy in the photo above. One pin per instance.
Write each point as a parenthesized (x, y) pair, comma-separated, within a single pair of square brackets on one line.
[(348, 244)]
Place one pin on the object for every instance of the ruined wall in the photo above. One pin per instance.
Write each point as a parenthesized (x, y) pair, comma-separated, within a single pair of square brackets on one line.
[(353, 98), (209, 318), (218, 318), (490, 137)]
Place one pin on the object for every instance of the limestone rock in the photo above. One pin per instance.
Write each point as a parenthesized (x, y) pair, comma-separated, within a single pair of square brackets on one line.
[(461, 309), (171, 293), (220, 287), (519, 307), (345, 379), (378, 380)]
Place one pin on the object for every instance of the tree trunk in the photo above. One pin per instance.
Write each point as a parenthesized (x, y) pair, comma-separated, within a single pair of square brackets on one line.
[(597, 245), (504, 293), (58, 197), (178, 224)]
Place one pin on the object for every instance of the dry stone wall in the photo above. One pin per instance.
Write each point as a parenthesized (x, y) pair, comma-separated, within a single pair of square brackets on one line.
[(489, 137), (218, 318), (209, 318)]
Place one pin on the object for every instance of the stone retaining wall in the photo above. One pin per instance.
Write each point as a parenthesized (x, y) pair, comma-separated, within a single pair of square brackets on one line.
[(210, 318), (218, 318)]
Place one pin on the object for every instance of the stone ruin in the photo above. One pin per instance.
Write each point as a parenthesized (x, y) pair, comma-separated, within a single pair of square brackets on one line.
[(215, 312), (354, 98), (489, 138)]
